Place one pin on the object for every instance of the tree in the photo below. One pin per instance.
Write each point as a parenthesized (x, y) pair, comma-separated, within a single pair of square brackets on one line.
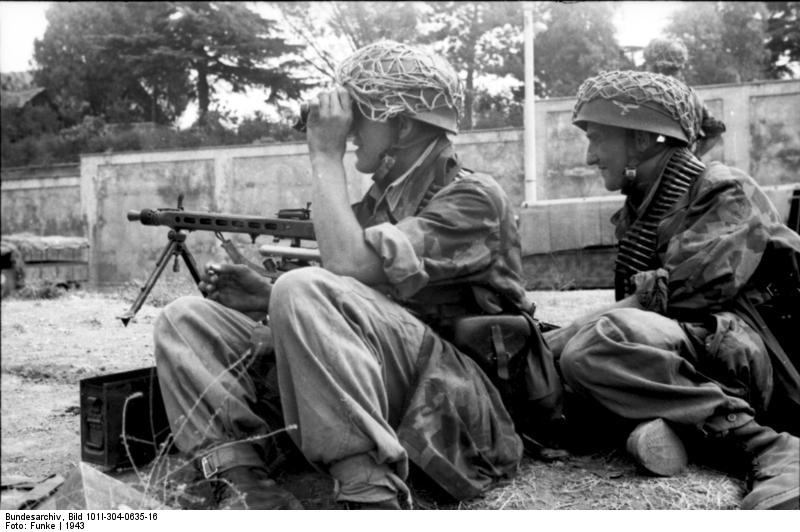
[(74, 69), (226, 41), (783, 43), (139, 60), (337, 29), (725, 40), (578, 43), (477, 38)]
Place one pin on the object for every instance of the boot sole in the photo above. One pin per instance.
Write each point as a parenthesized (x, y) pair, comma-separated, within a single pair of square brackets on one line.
[(657, 449)]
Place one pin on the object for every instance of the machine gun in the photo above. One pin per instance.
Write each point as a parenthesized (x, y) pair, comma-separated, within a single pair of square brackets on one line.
[(292, 224)]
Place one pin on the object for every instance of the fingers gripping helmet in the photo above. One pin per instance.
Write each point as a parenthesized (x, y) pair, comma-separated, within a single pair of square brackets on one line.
[(642, 101), (388, 78)]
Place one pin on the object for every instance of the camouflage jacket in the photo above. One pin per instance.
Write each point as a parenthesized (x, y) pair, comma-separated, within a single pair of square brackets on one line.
[(719, 250), (710, 245), (434, 249), (462, 234)]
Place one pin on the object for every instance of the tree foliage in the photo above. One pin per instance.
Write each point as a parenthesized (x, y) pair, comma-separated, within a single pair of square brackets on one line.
[(226, 41), (477, 38), (145, 60), (725, 40), (77, 74), (337, 29), (578, 42), (783, 26)]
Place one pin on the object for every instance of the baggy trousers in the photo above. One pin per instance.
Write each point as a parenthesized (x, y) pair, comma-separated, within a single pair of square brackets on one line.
[(346, 358), (209, 384), (637, 364)]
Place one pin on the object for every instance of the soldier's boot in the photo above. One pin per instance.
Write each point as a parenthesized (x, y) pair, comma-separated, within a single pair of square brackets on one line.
[(773, 481), (240, 481), (656, 447)]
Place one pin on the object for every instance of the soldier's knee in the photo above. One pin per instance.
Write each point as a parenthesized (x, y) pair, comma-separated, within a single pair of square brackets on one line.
[(295, 289), (172, 315), (573, 364)]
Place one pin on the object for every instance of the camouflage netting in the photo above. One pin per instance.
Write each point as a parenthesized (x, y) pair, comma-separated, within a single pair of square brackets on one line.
[(388, 78), (665, 56), (646, 88)]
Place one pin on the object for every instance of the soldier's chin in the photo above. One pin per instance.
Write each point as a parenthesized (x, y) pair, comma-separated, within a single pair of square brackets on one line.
[(366, 166)]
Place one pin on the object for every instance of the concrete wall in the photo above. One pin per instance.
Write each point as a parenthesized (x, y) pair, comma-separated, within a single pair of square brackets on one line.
[(44, 201)]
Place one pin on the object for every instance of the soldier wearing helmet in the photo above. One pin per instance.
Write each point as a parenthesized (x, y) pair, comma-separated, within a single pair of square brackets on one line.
[(358, 354), (701, 343)]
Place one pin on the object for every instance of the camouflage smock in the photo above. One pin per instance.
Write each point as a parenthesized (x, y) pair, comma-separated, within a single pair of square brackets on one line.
[(710, 244), (455, 427), (716, 244)]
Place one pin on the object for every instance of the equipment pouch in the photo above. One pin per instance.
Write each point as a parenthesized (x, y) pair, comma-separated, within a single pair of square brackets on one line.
[(511, 351), (492, 341)]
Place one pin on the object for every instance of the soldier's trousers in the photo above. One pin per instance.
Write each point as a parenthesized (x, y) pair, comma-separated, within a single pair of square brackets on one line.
[(210, 388), (346, 358), (640, 365)]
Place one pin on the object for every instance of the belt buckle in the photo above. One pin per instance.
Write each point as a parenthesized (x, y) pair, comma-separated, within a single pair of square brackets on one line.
[(208, 466)]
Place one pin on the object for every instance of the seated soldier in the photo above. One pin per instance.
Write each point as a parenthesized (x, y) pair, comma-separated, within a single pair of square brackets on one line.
[(701, 337), (361, 369)]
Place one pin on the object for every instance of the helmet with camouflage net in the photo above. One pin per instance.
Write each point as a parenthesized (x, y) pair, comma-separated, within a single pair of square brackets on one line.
[(642, 101), (388, 78), (666, 56)]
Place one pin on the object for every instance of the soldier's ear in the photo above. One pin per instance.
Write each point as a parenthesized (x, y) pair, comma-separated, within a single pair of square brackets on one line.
[(405, 127), (642, 140)]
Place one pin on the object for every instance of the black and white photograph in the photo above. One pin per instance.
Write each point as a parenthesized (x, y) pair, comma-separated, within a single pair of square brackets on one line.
[(399, 256)]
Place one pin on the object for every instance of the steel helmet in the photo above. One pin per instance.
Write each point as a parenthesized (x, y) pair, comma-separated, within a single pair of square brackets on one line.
[(388, 78), (642, 101)]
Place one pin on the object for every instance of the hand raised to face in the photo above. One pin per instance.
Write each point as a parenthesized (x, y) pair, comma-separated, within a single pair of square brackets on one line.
[(330, 119)]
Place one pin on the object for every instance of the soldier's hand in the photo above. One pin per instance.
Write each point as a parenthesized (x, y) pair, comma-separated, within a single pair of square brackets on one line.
[(236, 286), (330, 118)]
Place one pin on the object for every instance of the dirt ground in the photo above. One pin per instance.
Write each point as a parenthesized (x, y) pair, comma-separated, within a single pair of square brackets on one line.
[(49, 345)]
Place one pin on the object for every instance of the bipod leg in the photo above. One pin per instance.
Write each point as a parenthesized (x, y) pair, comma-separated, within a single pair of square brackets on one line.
[(170, 249), (190, 263)]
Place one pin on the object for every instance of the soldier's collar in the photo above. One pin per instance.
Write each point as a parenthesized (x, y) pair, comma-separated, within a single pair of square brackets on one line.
[(394, 191)]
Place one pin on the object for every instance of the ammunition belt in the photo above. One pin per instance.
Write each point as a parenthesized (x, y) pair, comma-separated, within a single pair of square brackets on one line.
[(637, 249)]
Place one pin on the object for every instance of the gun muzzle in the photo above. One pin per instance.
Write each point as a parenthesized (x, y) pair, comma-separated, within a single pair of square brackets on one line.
[(145, 216)]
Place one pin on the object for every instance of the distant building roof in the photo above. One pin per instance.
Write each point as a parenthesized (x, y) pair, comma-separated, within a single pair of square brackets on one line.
[(18, 99), (17, 89)]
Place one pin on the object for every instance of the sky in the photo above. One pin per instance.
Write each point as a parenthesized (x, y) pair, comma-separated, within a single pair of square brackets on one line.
[(23, 22)]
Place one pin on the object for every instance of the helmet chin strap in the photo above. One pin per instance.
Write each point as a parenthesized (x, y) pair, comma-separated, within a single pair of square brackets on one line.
[(631, 170), (389, 157)]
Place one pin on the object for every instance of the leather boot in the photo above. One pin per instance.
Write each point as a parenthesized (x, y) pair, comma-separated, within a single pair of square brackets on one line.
[(240, 481), (249, 488), (657, 448), (773, 481)]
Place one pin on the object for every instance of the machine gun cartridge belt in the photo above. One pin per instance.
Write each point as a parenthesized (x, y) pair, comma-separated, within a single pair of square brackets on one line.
[(637, 249)]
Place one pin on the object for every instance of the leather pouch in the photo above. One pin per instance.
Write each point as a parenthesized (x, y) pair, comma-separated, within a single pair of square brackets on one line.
[(493, 341)]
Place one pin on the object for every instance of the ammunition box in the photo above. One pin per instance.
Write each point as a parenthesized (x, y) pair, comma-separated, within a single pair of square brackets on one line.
[(114, 435)]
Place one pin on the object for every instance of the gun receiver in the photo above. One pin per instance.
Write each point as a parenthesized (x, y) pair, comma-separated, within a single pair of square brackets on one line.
[(293, 224)]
